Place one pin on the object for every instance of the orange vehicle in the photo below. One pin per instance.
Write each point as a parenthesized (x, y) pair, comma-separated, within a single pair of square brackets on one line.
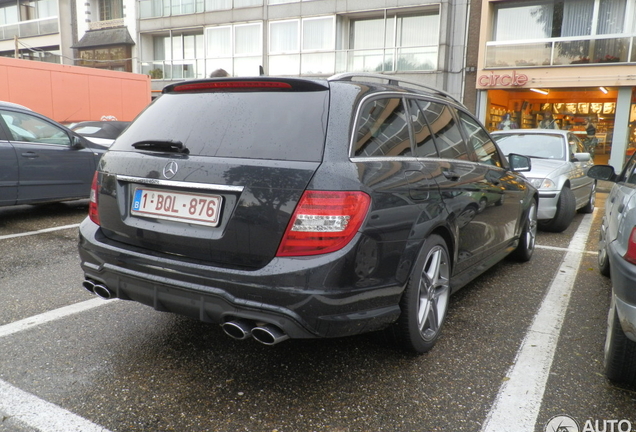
[(70, 94)]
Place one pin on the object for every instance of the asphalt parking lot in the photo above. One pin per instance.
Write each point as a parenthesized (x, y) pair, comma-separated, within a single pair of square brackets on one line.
[(69, 361)]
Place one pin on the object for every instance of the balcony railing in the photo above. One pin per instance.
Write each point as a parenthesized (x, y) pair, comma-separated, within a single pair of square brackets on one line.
[(561, 51), (174, 70), (310, 63), (38, 27)]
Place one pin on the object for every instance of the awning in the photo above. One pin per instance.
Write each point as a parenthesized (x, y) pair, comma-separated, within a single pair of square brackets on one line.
[(105, 37)]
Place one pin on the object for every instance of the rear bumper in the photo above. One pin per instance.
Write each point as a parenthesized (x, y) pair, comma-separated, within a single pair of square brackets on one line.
[(305, 297)]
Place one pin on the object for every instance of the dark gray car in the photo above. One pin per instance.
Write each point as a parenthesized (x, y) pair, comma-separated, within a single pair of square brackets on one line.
[(282, 207), (617, 258), (41, 160)]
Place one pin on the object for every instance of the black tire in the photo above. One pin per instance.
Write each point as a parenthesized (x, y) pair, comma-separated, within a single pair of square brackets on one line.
[(566, 208), (603, 258), (620, 352), (425, 299), (591, 201), (527, 238)]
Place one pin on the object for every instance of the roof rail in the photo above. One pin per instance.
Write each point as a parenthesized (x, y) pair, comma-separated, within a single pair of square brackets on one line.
[(391, 80)]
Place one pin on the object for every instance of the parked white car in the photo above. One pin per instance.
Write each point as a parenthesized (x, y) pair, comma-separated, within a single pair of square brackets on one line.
[(559, 170)]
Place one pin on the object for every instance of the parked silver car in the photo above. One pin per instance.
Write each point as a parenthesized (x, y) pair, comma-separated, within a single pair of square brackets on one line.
[(559, 167), (617, 259)]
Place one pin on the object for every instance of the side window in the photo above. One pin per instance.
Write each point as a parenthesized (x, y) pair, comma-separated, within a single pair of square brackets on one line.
[(28, 128), (630, 171), (424, 143), (448, 138), (480, 141), (382, 129)]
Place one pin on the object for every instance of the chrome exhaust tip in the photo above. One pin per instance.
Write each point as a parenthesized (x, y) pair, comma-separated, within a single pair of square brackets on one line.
[(89, 286), (238, 329), (103, 291), (269, 334)]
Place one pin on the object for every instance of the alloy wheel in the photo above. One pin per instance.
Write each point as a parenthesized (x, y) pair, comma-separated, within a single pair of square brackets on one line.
[(434, 291)]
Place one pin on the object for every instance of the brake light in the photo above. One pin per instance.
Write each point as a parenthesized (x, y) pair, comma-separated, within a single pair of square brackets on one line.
[(229, 85), (324, 222), (631, 247), (93, 214)]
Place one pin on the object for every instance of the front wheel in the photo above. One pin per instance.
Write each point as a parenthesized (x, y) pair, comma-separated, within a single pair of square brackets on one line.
[(620, 352), (566, 208), (528, 236), (425, 300)]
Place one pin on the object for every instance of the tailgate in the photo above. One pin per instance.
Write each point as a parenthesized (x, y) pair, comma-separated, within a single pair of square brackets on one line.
[(228, 211)]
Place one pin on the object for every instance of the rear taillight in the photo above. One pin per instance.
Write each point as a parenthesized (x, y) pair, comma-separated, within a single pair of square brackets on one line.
[(324, 222), (631, 247), (93, 214)]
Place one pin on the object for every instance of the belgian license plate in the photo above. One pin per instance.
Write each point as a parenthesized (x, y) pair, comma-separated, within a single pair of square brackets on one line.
[(199, 209)]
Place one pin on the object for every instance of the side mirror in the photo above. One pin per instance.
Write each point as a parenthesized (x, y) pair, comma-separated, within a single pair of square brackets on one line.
[(602, 172), (519, 163), (581, 157), (76, 142)]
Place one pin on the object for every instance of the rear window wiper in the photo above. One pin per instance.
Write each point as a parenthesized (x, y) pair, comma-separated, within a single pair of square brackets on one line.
[(165, 146)]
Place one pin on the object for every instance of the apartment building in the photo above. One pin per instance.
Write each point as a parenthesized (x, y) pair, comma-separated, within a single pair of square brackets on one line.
[(418, 39), (31, 29)]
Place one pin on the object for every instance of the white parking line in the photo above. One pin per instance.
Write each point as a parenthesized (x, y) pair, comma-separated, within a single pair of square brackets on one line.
[(517, 405), (44, 416), (565, 249), (27, 409), (42, 231), (46, 317)]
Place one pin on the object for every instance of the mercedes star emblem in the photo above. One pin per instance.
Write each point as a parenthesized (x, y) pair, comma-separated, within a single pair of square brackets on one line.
[(170, 170)]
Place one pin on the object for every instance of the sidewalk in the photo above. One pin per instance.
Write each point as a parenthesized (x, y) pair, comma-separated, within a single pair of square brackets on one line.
[(603, 186)]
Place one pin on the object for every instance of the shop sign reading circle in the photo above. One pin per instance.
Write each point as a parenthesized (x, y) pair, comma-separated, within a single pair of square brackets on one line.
[(503, 80)]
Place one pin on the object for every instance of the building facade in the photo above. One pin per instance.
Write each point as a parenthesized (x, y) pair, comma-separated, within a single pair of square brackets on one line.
[(572, 58), (32, 29), (106, 36), (420, 40)]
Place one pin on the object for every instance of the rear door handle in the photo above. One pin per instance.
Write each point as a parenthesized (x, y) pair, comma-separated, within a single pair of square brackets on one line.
[(30, 155)]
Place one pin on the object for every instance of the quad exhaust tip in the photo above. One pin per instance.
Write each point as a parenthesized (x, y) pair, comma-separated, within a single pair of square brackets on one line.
[(238, 329), (89, 286), (267, 334), (100, 290)]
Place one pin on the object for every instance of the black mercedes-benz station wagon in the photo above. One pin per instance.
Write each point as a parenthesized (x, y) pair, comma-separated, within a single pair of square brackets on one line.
[(295, 208)]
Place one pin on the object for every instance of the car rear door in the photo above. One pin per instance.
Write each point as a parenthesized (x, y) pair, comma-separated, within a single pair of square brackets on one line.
[(474, 194), (50, 166), (401, 188)]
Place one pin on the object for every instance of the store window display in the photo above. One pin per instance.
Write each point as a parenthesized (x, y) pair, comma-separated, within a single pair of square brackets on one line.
[(507, 123), (548, 122)]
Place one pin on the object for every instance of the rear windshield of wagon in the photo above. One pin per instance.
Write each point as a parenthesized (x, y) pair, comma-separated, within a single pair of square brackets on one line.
[(257, 125)]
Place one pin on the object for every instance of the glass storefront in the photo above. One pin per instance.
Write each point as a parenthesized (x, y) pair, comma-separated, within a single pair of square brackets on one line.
[(580, 110)]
